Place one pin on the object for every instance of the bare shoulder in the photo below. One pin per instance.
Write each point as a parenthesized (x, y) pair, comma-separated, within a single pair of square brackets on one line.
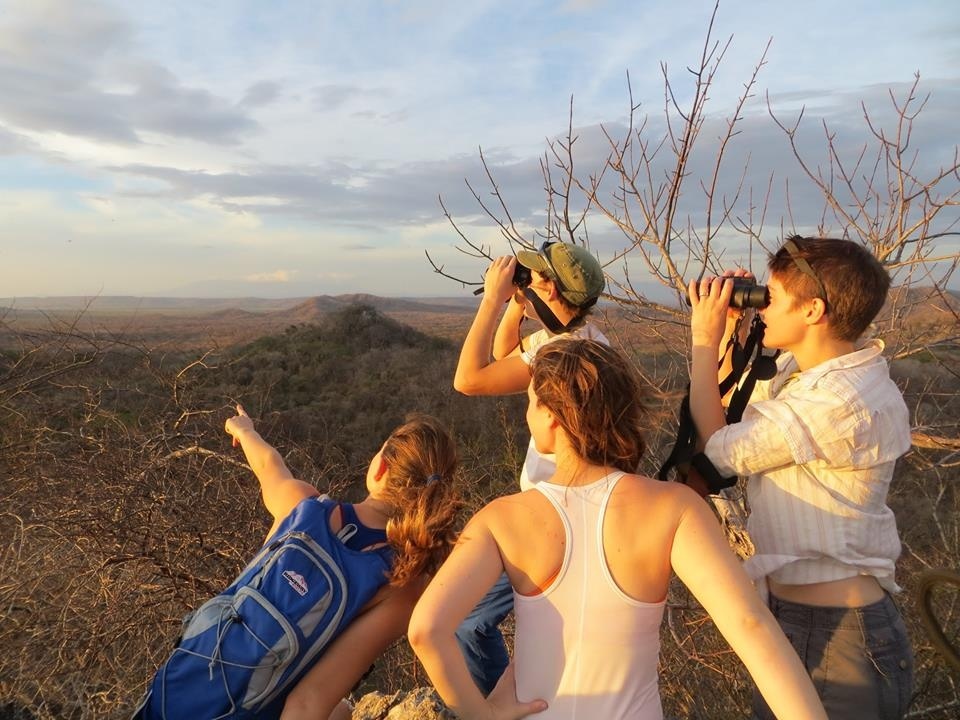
[(667, 502), (490, 516), (519, 519), (647, 488), (506, 509)]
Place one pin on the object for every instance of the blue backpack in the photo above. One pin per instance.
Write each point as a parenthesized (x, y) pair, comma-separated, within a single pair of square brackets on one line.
[(241, 652)]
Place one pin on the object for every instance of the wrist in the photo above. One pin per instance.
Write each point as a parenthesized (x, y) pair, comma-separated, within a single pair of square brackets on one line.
[(490, 304), (246, 433), (705, 343)]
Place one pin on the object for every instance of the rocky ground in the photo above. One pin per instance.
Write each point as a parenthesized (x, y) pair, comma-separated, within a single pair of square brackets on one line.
[(419, 704)]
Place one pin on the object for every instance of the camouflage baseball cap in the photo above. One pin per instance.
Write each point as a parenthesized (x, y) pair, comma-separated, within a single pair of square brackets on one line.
[(573, 268)]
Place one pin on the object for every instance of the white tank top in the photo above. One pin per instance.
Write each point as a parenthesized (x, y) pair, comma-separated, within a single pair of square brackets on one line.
[(584, 645)]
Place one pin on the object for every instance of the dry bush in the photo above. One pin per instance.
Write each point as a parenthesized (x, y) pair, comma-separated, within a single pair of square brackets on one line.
[(125, 506)]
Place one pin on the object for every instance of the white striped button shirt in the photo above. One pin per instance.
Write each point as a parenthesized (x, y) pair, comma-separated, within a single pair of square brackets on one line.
[(818, 449)]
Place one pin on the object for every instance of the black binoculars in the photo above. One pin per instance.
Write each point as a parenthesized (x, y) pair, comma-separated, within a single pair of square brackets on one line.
[(747, 294), (521, 278)]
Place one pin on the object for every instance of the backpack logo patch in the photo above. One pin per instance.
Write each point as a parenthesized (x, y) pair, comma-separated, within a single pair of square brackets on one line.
[(297, 581)]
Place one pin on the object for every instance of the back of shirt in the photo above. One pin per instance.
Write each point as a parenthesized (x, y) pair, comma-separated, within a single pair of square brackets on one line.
[(583, 645)]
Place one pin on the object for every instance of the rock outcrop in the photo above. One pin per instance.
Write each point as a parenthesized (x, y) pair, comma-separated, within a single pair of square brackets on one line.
[(419, 704)]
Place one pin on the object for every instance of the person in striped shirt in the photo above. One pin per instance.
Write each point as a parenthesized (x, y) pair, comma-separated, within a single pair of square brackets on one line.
[(817, 445)]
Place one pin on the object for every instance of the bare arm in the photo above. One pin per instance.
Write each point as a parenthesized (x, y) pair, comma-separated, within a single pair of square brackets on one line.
[(707, 325), (507, 340), (476, 373), (345, 661), (472, 569), (280, 489), (704, 562)]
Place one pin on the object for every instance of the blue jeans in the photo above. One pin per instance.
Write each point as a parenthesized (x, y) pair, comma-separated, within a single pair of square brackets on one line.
[(858, 658), (480, 639)]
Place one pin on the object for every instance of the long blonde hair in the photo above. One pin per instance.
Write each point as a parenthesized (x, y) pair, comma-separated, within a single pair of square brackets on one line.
[(421, 457)]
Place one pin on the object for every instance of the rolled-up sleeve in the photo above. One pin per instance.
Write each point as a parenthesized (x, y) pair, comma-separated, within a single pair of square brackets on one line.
[(818, 424), (756, 444)]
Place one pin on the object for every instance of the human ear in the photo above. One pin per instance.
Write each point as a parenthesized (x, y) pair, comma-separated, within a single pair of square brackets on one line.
[(380, 466), (554, 290), (816, 311), (554, 423)]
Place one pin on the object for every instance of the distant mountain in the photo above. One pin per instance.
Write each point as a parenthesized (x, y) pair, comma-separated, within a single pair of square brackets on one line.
[(196, 306), (315, 308), (202, 322), (132, 304)]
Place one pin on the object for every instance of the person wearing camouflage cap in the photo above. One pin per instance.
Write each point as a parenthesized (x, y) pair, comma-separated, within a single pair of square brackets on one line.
[(556, 286)]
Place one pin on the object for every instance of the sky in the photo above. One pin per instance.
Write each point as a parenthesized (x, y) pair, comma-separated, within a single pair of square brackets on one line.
[(236, 148)]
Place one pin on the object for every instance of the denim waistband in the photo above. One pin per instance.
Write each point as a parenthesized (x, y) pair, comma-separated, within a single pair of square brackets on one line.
[(876, 615)]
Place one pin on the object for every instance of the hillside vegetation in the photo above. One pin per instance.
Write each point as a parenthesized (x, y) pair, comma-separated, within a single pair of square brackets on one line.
[(124, 505)]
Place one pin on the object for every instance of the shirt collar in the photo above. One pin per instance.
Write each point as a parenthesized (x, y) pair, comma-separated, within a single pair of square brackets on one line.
[(866, 352)]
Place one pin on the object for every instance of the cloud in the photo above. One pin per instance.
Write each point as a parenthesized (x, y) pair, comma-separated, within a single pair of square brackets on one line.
[(82, 76), (277, 276), (13, 143), (331, 97), (393, 117), (580, 5), (357, 195), (260, 94), (381, 196)]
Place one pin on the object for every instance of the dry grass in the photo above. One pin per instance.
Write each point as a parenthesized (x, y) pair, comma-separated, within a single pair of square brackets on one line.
[(123, 507)]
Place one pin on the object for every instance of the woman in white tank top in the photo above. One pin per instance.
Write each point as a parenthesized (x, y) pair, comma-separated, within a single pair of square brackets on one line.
[(590, 555)]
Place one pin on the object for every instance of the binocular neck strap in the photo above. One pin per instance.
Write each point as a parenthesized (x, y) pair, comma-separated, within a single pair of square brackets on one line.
[(550, 321), (763, 367)]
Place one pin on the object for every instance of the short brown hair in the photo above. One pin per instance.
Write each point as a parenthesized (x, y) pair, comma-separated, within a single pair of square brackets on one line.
[(854, 281), (596, 396)]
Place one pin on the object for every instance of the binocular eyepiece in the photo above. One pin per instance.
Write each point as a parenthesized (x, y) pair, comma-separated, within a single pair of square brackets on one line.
[(747, 294), (522, 276)]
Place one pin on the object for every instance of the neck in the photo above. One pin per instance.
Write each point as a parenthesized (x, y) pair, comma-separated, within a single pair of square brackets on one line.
[(820, 349), (573, 470), (373, 512), (544, 308)]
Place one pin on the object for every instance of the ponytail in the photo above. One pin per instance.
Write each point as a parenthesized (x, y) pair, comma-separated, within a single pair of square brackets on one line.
[(421, 458)]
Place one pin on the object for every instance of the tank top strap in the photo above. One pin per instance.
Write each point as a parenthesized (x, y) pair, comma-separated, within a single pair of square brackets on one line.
[(603, 486), (610, 481), (354, 534)]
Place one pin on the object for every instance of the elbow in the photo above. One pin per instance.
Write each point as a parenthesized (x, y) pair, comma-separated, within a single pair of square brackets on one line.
[(418, 631), (465, 386), (423, 631), (752, 622)]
